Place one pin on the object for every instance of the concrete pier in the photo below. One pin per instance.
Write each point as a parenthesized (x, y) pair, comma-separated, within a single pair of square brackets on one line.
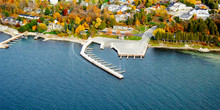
[(127, 48), (4, 44), (95, 62)]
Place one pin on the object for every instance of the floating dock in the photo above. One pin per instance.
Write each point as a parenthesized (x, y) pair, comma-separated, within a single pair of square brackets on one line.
[(99, 63)]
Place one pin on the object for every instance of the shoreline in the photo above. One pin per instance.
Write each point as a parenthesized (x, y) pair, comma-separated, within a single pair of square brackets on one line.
[(12, 32), (47, 37), (202, 50)]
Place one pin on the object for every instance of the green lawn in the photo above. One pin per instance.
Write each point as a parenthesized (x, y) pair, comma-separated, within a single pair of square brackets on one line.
[(107, 36), (140, 29), (133, 38)]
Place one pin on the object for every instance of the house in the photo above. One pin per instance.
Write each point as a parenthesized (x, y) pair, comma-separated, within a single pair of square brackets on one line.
[(113, 8), (28, 16), (27, 9), (54, 26), (38, 10), (123, 8), (84, 3), (122, 17), (200, 13), (122, 28), (54, 2), (104, 5), (179, 6), (122, 1), (186, 16), (201, 6)]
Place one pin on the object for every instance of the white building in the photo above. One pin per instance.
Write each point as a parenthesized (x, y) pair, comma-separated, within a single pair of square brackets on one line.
[(186, 16), (54, 26), (123, 8), (122, 28), (54, 2), (28, 16), (200, 13), (122, 17), (113, 8), (179, 6)]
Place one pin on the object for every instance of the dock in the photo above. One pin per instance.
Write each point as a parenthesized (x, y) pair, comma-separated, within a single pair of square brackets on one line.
[(4, 44), (124, 48), (99, 63)]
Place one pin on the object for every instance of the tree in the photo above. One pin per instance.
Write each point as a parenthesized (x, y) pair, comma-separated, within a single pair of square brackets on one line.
[(102, 25), (137, 22), (98, 22), (77, 20), (41, 27), (65, 12), (158, 30), (47, 11), (79, 29), (88, 19), (56, 15), (65, 27), (7, 14)]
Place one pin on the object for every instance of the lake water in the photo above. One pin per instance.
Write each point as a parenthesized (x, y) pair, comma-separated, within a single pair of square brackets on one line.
[(52, 75)]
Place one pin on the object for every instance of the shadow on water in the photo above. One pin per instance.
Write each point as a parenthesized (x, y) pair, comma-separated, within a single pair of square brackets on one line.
[(211, 57)]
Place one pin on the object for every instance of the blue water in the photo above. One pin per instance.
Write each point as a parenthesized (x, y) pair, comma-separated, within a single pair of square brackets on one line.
[(52, 75), (4, 37)]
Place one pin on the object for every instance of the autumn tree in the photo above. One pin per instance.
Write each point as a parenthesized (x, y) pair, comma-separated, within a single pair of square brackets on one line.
[(41, 27)]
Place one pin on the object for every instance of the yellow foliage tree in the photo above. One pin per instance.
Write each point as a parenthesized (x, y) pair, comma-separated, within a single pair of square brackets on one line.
[(25, 21), (192, 1), (56, 15), (86, 25), (112, 16), (137, 22), (98, 22), (79, 29), (62, 24), (77, 20), (42, 27), (161, 30), (74, 1), (34, 27)]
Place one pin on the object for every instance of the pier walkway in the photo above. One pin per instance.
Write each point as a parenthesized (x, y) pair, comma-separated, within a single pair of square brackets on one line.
[(87, 54), (4, 44)]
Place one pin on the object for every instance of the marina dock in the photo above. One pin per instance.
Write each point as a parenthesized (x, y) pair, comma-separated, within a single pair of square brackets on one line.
[(124, 48), (4, 44), (99, 62)]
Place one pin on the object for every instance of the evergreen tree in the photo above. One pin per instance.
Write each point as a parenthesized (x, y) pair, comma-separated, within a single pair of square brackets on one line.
[(47, 11)]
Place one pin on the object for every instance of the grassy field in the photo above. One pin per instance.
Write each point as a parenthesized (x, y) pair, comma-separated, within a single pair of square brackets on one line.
[(107, 36), (133, 38), (116, 37), (140, 29)]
